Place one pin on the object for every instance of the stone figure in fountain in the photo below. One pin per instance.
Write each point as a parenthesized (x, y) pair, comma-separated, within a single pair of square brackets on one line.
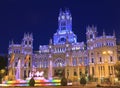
[(37, 75)]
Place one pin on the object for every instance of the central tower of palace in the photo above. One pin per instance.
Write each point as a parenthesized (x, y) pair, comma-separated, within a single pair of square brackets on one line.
[(64, 32)]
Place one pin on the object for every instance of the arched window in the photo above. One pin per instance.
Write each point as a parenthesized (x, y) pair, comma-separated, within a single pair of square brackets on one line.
[(100, 59), (16, 64), (80, 60), (25, 42), (63, 23), (29, 62), (25, 74), (75, 73), (93, 71), (111, 59), (59, 62), (74, 62), (119, 58), (92, 60), (91, 36), (62, 40), (30, 42), (67, 73)]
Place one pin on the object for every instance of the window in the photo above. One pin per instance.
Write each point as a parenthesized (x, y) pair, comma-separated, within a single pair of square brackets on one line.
[(91, 53), (119, 58), (25, 42), (86, 71), (67, 73), (29, 64), (111, 59), (91, 36), (109, 69), (100, 59), (74, 62), (25, 74), (25, 64), (29, 42), (63, 28), (15, 64), (92, 70), (28, 72), (59, 62), (63, 23), (75, 74), (92, 60), (63, 39), (80, 73), (118, 52)]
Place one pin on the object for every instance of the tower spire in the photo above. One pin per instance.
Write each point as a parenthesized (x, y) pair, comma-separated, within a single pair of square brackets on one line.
[(50, 42), (64, 21), (60, 12), (12, 42), (104, 32), (114, 33)]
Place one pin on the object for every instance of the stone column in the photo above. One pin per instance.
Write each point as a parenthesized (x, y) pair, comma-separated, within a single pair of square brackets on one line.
[(50, 70), (106, 70)]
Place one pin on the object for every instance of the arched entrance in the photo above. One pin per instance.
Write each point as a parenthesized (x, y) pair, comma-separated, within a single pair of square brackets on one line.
[(59, 70)]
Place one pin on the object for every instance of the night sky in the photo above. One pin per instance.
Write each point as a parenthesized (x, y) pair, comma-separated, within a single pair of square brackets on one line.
[(40, 18)]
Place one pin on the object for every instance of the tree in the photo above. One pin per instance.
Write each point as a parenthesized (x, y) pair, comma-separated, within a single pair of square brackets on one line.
[(32, 82), (2, 62), (83, 81), (63, 81), (117, 68), (90, 78), (2, 67)]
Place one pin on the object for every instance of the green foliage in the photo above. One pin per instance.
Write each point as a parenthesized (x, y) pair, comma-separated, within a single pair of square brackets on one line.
[(2, 74), (83, 81), (117, 68), (32, 82), (90, 78), (2, 62), (63, 81)]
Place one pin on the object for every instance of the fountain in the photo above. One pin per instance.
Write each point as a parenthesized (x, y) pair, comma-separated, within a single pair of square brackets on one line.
[(37, 75), (18, 70)]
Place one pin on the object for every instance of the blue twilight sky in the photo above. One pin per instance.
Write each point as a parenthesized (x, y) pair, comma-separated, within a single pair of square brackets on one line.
[(40, 18)]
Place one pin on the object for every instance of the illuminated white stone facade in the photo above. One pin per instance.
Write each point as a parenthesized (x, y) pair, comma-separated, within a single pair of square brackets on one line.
[(69, 57)]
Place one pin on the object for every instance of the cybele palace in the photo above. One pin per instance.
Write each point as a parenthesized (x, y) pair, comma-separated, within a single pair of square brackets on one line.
[(68, 57)]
